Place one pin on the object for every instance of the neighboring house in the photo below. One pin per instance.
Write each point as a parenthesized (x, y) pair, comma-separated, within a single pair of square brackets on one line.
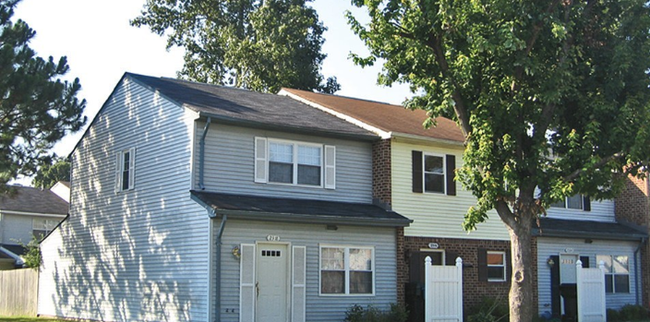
[(193, 202), (414, 174), (27, 213)]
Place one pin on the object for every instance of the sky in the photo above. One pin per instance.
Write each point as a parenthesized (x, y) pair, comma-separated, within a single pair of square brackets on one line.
[(101, 46)]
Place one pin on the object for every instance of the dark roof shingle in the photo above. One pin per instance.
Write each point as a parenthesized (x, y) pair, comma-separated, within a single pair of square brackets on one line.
[(33, 200), (552, 227), (250, 108), (299, 210)]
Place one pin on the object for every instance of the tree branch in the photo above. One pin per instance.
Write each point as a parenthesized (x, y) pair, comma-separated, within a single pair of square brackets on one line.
[(597, 165)]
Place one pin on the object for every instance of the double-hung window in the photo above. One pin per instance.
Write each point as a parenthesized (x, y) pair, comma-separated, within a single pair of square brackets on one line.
[(574, 202), (295, 163), (496, 266), (433, 173), (346, 270), (125, 170), (617, 273), (41, 227)]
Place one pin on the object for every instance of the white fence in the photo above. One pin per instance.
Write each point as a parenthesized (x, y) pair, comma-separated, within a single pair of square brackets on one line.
[(18, 292), (443, 292), (591, 293)]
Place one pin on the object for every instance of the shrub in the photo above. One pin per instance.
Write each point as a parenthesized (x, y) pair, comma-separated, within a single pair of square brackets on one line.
[(490, 310), (628, 313), (356, 313)]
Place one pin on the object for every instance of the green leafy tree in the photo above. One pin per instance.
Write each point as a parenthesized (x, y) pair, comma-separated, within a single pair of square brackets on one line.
[(32, 256), (552, 97), (37, 108), (259, 45), (49, 174)]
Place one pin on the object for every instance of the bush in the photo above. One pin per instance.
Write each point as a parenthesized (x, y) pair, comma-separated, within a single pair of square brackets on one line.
[(628, 313), (356, 313), (490, 310)]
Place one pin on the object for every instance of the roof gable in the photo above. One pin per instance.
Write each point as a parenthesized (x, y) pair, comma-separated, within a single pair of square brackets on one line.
[(392, 119)]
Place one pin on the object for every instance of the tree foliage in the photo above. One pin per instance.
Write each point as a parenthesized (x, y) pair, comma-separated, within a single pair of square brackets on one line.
[(49, 174), (37, 108), (259, 45), (32, 256), (552, 97)]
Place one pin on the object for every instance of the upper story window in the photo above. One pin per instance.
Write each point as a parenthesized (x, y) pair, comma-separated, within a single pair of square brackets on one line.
[(433, 173), (617, 273), (125, 170), (41, 227), (295, 163), (574, 202), (346, 270)]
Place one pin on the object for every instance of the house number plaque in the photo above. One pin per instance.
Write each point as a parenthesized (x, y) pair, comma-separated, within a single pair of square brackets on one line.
[(434, 245), (274, 238)]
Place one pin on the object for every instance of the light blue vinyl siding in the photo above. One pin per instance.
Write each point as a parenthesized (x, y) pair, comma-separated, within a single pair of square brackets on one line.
[(230, 164), (547, 247), (140, 254), (319, 308), (600, 211)]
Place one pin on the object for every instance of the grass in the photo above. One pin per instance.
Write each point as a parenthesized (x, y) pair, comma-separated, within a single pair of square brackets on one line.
[(27, 319)]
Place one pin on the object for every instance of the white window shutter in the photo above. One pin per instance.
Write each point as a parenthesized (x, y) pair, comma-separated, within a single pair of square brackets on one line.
[(247, 292), (298, 284), (118, 171), (330, 167), (131, 168), (261, 157)]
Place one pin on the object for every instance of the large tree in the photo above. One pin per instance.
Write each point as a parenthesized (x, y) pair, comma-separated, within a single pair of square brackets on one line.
[(49, 174), (254, 44), (37, 108), (552, 97)]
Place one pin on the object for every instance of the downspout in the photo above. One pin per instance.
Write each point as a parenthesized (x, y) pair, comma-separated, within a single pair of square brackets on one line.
[(217, 276), (202, 152), (636, 271)]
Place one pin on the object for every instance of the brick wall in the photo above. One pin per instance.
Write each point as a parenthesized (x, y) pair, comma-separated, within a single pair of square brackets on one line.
[(381, 171), (633, 205), (473, 289)]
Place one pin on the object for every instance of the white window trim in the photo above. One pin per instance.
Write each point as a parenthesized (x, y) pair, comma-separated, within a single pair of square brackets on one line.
[(424, 173), (505, 267), (119, 168), (614, 274), (566, 203), (346, 265)]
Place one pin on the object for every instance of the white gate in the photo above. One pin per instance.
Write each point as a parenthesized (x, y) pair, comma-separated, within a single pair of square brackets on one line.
[(591, 293), (443, 292)]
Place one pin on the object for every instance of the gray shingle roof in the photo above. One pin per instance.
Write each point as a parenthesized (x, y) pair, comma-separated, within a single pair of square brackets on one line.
[(551, 227), (243, 107), (33, 200), (299, 210)]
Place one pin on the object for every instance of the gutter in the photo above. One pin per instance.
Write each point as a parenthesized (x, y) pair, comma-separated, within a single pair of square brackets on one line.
[(202, 152), (217, 266), (637, 270)]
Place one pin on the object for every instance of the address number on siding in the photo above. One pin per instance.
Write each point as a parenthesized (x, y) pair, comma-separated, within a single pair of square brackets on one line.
[(273, 238)]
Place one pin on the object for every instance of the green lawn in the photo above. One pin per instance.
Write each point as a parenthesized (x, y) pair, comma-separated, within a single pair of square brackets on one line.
[(27, 319)]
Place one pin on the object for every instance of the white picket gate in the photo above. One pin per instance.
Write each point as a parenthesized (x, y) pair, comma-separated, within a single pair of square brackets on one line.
[(591, 293), (443, 292)]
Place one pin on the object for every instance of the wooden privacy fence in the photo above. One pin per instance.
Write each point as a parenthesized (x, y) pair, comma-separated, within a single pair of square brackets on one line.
[(591, 293), (443, 292), (18, 292)]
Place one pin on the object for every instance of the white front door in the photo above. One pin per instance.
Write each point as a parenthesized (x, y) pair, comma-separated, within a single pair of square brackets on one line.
[(272, 283), (568, 268)]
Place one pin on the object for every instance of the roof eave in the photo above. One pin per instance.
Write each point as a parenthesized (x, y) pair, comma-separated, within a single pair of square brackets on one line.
[(587, 235), (312, 219)]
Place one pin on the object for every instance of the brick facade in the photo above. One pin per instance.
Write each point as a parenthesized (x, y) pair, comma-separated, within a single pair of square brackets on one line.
[(633, 205), (381, 172), (467, 249)]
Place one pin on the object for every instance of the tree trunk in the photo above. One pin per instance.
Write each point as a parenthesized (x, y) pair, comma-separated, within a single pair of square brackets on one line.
[(521, 287)]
